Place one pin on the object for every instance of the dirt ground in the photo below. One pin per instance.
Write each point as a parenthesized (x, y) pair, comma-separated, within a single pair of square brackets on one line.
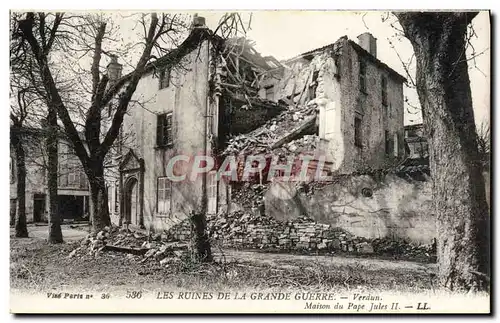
[(39, 266)]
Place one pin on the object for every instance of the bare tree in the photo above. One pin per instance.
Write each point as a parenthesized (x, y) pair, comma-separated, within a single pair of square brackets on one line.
[(26, 82), (17, 118), (439, 42), (73, 31)]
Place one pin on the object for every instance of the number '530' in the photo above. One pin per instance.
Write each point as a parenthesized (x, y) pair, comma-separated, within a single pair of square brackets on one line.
[(134, 295)]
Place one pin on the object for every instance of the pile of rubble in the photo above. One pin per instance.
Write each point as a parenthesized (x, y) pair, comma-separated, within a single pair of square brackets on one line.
[(254, 230), (241, 229), (261, 140), (136, 244), (249, 195), (248, 230), (305, 144)]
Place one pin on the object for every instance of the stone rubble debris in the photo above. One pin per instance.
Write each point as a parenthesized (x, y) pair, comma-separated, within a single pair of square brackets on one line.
[(260, 140), (247, 230), (151, 246)]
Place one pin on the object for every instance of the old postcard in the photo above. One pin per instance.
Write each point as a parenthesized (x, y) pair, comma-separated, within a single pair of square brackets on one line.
[(250, 162)]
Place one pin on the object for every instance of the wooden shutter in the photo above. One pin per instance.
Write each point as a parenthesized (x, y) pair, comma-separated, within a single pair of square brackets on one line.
[(160, 121), (167, 132)]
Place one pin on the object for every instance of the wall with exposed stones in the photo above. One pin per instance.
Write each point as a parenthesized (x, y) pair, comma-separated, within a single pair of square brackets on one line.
[(247, 230), (365, 205)]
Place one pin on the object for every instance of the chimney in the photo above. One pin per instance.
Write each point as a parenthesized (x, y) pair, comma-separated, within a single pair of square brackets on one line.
[(368, 42), (114, 69), (198, 21)]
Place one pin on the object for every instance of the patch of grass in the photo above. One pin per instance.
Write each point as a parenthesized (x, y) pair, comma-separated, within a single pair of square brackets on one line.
[(39, 266)]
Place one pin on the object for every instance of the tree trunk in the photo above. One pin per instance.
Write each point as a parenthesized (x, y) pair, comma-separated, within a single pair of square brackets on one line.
[(443, 87), (201, 241), (20, 225), (99, 198), (55, 233)]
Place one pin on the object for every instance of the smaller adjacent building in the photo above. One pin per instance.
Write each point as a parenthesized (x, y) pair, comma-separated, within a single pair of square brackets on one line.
[(73, 188), (417, 147)]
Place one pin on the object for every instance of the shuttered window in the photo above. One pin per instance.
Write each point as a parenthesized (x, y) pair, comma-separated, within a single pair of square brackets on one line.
[(212, 193), (164, 194), (164, 130)]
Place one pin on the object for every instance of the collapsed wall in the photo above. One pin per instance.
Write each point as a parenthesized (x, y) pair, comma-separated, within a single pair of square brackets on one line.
[(312, 220), (247, 230)]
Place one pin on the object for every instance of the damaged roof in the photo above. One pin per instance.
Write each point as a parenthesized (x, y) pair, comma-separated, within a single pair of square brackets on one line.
[(248, 53), (356, 47)]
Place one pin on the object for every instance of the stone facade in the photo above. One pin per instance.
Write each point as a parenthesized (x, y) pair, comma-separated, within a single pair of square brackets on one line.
[(145, 162)]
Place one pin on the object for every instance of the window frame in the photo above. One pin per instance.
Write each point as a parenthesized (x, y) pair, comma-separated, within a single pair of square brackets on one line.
[(395, 145), (164, 78), (358, 132), (211, 185), (165, 127), (167, 187), (212, 192)]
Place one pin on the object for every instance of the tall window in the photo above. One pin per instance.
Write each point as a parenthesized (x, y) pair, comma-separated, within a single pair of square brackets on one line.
[(314, 85), (164, 78), (362, 75), (384, 90), (164, 194), (212, 192), (357, 132), (164, 130), (396, 148)]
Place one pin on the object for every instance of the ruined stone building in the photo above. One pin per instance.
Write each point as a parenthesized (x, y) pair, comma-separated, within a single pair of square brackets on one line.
[(73, 189), (338, 102), (359, 102)]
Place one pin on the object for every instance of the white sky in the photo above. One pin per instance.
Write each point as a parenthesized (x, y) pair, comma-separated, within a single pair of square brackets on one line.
[(284, 34)]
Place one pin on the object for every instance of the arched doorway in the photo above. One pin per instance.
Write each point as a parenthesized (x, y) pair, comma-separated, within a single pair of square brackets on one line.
[(132, 202)]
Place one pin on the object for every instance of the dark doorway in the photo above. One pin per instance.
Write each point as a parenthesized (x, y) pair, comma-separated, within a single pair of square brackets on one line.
[(132, 202), (71, 207), (38, 207)]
